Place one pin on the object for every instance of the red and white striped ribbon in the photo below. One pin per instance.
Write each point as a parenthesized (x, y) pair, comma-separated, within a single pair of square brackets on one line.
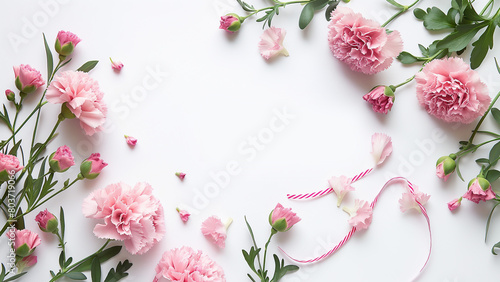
[(353, 230), (326, 191)]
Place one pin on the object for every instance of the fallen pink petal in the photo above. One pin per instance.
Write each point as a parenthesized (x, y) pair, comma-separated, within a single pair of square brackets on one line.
[(361, 214), (409, 200), (381, 147), (341, 186), (215, 230), (271, 43)]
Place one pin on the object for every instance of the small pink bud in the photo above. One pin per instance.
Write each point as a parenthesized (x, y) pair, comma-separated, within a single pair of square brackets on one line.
[(62, 159), (116, 65), (28, 79), (91, 167), (282, 219), (10, 95), (131, 140), (181, 175), (183, 214), (453, 205), (65, 43), (46, 221)]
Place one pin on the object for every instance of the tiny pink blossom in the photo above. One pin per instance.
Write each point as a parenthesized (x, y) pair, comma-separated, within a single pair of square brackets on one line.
[(92, 166), (361, 214), (479, 190), (116, 65), (28, 79), (11, 96), (215, 230), (380, 101), (66, 37), (362, 44), (186, 265), (271, 43), (133, 215), (82, 96), (230, 23), (181, 175), (130, 140), (453, 205), (408, 200), (282, 219), (341, 186), (61, 159), (450, 90), (46, 221), (183, 214), (381, 147)]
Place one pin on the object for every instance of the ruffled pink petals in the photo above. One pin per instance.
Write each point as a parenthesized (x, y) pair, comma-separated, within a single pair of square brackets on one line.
[(381, 147), (450, 90), (361, 214), (341, 186), (215, 230), (282, 219), (381, 98), (479, 190), (28, 79), (271, 43), (409, 200), (183, 214)]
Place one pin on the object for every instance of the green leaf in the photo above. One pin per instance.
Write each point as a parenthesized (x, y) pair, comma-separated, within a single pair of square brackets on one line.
[(482, 161), (423, 50), (280, 270), (14, 149), (435, 19), (306, 15), (2, 274), (481, 46), (498, 67), (61, 220), (471, 14), (492, 175), (12, 278), (319, 4), (457, 169), (396, 4), (460, 38), (120, 272), (406, 58), (103, 256), (68, 262), (251, 278), (5, 117), (96, 270), (88, 66), (62, 260), (331, 7), (419, 14), (245, 6), (75, 275), (494, 153), (497, 245), (496, 114), (50, 60), (20, 221), (250, 257)]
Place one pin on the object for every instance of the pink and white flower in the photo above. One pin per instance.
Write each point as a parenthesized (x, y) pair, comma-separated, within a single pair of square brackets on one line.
[(66, 42), (116, 65), (215, 230), (132, 215), (341, 186), (130, 140), (282, 219), (28, 79), (479, 190), (183, 214), (362, 44), (186, 265), (450, 90), (453, 205), (381, 147), (62, 159), (81, 95), (271, 43), (361, 214), (25, 241), (381, 98), (409, 200)]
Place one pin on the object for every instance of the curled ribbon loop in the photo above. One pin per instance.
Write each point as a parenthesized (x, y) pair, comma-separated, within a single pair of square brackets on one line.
[(411, 189)]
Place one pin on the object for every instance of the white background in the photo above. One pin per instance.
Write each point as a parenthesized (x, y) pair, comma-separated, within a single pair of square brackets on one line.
[(211, 94)]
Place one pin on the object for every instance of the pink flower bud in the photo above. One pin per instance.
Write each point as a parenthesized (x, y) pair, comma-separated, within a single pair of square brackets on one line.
[(130, 140), (381, 98), (282, 219), (46, 221), (11, 96), (8, 165), (25, 241), (65, 43), (453, 205), (91, 167), (445, 166), (479, 190), (28, 79), (181, 175), (230, 22), (183, 214), (62, 159), (116, 65)]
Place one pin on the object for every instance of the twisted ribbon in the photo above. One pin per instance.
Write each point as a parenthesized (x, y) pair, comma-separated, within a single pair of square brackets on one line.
[(353, 230)]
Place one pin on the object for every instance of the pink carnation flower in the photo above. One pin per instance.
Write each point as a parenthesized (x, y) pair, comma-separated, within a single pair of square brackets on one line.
[(181, 175), (271, 43), (62, 159), (183, 214), (341, 186), (186, 265), (450, 90), (479, 190), (116, 65), (28, 79), (81, 95), (282, 219), (66, 42), (381, 147), (8, 165), (132, 215), (453, 205), (408, 200), (130, 140), (215, 230), (25, 241), (361, 214), (361, 43), (381, 98)]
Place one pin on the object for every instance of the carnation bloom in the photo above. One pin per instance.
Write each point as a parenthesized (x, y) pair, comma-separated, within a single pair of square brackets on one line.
[(445, 166), (92, 167), (409, 200), (130, 140), (450, 90), (381, 98), (361, 43), (65, 43), (479, 190), (186, 265), (46, 221), (116, 65), (341, 186), (80, 94), (271, 43), (183, 214), (361, 214), (453, 205), (381, 147), (8, 165), (28, 79), (25, 241), (282, 219), (62, 159), (181, 175), (215, 230), (230, 22), (132, 215)]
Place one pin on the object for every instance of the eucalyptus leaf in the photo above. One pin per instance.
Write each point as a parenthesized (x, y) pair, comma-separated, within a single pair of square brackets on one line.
[(88, 66), (306, 15)]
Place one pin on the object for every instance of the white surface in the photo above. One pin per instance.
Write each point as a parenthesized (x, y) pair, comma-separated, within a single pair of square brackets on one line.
[(213, 94)]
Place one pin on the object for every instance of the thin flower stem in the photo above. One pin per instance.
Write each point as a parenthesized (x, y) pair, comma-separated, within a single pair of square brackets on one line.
[(475, 147), (265, 252), (474, 132), (278, 4), (404, 9), (405, 82), (490, 3)]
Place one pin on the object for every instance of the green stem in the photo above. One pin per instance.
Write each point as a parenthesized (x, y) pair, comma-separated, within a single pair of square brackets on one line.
[(278, 4), (405, 82), (404, 9), (273, 231), (474, 132), (486, 7), (73, 266), (475, 147)]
